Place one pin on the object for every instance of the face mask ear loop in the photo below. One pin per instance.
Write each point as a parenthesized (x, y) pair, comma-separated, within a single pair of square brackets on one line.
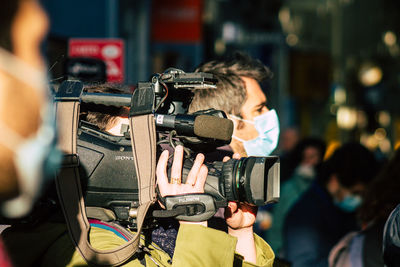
[(240, 119), (9, 138), (235, 125), (239, 139), (15, 66)]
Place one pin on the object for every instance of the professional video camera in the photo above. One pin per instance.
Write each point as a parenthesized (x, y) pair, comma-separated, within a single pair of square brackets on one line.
[(107, 159)]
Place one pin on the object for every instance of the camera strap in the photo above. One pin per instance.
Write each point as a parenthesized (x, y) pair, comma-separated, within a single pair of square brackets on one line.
[(69, 190)]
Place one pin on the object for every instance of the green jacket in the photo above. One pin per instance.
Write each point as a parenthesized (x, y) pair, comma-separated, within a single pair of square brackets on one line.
[(291, 191), (49, 245)]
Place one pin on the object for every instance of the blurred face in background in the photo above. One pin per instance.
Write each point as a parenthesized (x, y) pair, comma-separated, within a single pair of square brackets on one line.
[(21, 101), (311, 156)]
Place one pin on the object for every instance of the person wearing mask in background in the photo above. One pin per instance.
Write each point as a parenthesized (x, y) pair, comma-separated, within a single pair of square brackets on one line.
[(256, 130), (391, 240), (288, 141), (307, 155), (27, 137), (326, 211), (364, 248)]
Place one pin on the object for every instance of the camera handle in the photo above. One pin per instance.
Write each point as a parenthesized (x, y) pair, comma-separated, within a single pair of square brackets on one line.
[(190, 207)]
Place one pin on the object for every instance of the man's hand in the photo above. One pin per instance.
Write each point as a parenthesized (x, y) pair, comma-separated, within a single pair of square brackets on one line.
[(240, 218), (194, 182), (240, 215)]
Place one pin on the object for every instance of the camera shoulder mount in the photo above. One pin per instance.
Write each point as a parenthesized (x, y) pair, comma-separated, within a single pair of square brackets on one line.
[(142, 127)]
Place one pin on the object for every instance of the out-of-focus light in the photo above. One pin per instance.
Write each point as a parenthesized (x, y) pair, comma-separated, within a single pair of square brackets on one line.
[(384, 118), (346, 118), (340, 95), (370, 74), (361, 119), (385, 146), (389, 38), (380, 134), (284, 15), (292, 39), (331, 148), (369, 141), (394, 50), (219, 47), (229, 32), (397, 145)]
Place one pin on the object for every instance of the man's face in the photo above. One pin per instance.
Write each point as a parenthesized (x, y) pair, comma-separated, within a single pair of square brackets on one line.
[(255, 105)]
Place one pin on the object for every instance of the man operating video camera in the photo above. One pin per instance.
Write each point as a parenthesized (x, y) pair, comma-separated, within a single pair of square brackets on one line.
[(162, 243), (256, 128)]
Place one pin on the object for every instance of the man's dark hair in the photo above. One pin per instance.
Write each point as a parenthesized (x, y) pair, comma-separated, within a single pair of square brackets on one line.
[(352, 163), (231, 91), (103, 116), (8, 11)]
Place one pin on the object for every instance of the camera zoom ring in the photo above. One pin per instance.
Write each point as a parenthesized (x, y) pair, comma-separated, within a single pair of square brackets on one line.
[(228, 176)]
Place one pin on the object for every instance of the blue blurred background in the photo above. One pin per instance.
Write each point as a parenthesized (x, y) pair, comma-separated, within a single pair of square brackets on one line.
[(335, 62)]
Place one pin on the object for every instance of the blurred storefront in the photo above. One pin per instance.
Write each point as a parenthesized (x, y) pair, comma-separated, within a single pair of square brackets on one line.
[(335, 62)]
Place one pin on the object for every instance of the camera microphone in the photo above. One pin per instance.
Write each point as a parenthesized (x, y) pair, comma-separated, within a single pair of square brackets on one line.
[(197, 125)]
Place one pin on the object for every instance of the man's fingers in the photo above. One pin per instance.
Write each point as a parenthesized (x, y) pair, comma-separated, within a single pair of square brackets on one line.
[(176, 170), (233, 206), (231, 209), (161, 170), (194, 171), (234, 156), (201, 178), (225, 159)]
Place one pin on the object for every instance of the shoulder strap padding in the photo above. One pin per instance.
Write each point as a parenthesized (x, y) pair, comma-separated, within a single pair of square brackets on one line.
[(70, 192)]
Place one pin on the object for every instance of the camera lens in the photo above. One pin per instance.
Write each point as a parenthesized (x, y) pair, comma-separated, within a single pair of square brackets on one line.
[(251, 180)]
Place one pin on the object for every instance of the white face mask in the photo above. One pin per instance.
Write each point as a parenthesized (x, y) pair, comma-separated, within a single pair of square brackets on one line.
[(267, 126), (306, 171), (36, 157)]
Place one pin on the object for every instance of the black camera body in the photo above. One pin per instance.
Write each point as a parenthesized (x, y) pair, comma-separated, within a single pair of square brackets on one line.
[(107, 160), (110, 176)]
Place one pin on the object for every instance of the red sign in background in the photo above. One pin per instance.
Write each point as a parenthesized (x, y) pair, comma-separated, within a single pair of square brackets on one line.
[(111, 51), (177, 21)]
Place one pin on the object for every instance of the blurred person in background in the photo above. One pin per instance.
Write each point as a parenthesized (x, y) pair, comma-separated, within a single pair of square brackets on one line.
[(391, 239), (326, 211), (307, 155), (27, 136), (364, 248), (287, 143)]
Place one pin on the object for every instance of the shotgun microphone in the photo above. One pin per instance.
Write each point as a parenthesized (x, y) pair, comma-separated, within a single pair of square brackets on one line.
[(197, 125)]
